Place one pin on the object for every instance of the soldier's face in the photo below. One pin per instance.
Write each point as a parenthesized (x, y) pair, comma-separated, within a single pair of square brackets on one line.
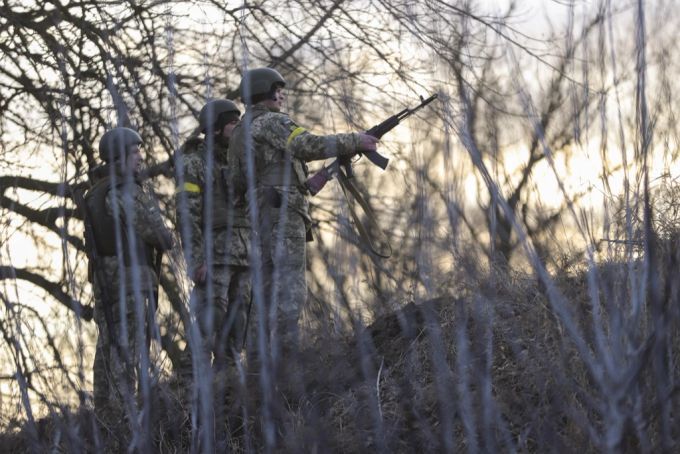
[(228, 129), (276, 103), (133, 162)]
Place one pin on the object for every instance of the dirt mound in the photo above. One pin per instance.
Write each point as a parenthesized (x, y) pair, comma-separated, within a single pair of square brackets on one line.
[(493, 371)]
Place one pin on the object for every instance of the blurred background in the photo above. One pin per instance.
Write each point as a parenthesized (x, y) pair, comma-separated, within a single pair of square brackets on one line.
[(531, 299)]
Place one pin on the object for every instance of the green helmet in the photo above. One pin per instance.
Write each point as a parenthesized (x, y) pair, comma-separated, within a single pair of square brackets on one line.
[(116, 141), (261, 82), (217, 111)]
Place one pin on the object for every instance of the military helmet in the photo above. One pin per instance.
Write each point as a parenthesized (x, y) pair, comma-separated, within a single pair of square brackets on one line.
[(117, 140), (261, 82), (213, 109)]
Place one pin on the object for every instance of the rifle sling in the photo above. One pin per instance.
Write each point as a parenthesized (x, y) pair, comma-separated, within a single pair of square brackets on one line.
[(349, 188)]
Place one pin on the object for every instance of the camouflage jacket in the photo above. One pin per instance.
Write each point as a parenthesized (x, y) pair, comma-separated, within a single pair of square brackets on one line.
[(136, 208), (229, 225), (281, 149)]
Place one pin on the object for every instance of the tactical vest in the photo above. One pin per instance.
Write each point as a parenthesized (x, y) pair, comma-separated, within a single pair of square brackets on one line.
[(104, 226), (223, 204), (273, 173)]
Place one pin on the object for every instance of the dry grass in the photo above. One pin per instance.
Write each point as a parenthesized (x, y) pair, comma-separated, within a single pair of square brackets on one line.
[(491, 371)]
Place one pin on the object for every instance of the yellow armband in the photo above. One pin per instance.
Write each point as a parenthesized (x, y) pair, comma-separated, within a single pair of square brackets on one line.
[(296, 132), (190, 187)]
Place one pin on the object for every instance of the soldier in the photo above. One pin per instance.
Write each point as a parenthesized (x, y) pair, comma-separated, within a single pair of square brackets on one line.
[(126, 232), (229, 228), (280, 150), (215, 235)]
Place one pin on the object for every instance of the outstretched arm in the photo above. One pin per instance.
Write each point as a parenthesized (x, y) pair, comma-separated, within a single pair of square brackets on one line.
[(311, 147)]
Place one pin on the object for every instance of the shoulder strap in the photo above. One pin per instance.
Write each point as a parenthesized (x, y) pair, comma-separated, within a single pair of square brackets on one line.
[(102, 223), (372, 236)]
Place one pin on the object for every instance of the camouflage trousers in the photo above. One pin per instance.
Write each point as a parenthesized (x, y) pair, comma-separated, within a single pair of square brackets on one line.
[(284, 267), (221, 311), (116, 366), (283, 251)]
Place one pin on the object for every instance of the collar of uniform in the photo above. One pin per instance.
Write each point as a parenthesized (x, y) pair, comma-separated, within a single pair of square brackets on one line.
[(260, 108), (192, 145), (114, 171), (219, 151)]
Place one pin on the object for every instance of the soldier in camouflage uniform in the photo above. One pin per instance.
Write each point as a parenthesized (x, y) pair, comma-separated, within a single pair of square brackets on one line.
[(219, 264), (280, 151), (216, 235), (128, 231)]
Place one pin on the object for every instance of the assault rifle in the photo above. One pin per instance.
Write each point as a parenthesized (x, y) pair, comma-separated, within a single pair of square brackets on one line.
[(316, 183)]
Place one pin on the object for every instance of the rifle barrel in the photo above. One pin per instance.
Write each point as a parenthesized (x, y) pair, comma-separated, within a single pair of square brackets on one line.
[(427, 101), (407, 112), (319, 180)]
